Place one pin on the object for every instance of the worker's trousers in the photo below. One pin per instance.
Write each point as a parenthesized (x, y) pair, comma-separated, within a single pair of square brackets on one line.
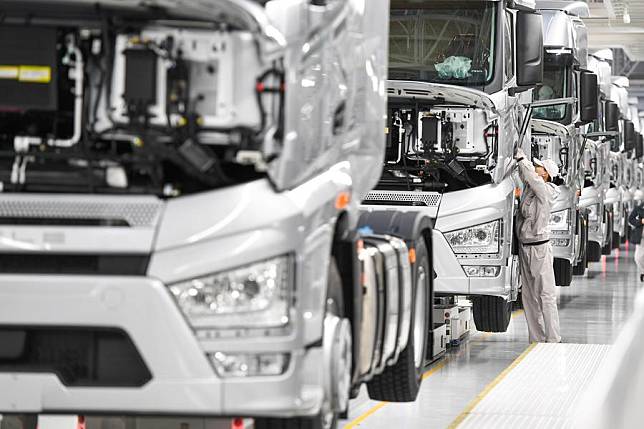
[(538, 290), (639, 257)]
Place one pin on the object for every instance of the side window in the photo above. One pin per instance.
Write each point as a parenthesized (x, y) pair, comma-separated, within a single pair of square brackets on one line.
[(508, 42)]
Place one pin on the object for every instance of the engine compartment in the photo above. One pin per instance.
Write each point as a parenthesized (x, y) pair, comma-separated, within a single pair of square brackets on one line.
[(117, 104), (438, 148)]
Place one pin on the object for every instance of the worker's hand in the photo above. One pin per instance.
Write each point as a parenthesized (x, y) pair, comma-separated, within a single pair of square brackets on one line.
[(519, 154)]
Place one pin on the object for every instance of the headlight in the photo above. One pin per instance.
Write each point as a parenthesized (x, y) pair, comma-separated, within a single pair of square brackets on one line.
[(593, 213), (482, 238), (559, 220), (249, 365), (481, 270), (255, 296), (560, 242)]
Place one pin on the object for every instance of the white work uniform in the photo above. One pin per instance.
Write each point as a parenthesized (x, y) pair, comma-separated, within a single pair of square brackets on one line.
[(639, 256), (535, 256)]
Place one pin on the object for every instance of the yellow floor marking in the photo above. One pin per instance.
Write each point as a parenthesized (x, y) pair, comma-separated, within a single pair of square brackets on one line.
[(434, 369), (459, 419)]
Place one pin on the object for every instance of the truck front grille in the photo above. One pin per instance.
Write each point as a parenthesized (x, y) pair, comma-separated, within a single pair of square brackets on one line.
[(80, 264)]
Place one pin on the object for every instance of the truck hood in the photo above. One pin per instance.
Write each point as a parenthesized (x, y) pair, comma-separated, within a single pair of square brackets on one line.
[(245, 14), (550, 127), (440, 92)]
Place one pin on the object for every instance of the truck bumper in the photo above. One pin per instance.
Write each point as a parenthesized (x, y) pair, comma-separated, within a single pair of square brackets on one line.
[(563, 247), (182, 378), (452, 280)]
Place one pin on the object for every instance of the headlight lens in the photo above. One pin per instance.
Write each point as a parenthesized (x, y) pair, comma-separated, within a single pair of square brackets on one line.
[(230, 365), (559, 220), (593, 213), (255, 295), (482, 238), (481, 270)]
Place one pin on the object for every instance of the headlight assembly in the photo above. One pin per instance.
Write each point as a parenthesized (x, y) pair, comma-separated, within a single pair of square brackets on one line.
[(252, 296), (560, 220), (484, 238)]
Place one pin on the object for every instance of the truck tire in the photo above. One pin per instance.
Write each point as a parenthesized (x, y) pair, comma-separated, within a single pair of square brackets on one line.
[(563, 272), (593, 251), (401, 381), (327, 418), (491, 313), (608, 247), (580, 268)]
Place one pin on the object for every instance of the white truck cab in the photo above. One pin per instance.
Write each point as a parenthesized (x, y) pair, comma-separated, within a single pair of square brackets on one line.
[(459, 75), (559, 130)]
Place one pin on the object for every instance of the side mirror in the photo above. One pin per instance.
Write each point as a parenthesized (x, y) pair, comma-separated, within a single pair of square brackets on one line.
[(588, 97), (529, 48), (639, 146), (629, 136), (612, 116)]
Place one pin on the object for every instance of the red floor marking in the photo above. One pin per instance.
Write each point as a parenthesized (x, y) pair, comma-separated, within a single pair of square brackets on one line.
[(237, 424)]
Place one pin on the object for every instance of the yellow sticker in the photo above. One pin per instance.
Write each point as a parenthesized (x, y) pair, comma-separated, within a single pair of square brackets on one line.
[(34, 74), (9, 72)]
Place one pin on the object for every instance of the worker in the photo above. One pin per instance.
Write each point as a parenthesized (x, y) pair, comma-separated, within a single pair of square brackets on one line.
[(636, 220), (535, 252)]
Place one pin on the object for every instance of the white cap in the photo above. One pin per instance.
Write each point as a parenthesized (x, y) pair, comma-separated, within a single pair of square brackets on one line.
[(551, 167)]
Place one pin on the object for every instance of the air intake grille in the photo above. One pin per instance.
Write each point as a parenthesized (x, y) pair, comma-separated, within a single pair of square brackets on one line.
[(135, 214), (430, 199)]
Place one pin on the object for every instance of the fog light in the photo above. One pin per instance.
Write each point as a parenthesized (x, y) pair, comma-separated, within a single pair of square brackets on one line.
[(230, 365), (481, 270), (560, 242)]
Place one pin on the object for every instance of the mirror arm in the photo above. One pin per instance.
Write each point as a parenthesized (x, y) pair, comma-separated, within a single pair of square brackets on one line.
[(553, 102)]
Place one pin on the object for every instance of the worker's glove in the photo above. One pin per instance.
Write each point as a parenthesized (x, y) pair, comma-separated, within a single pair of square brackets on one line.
[(519, 155)]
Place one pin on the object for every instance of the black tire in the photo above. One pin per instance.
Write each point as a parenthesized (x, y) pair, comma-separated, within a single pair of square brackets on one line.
[(334, 303), (401, 381), (491, 313), (563, 272), (580, 268), (608, 247), (593, 251)]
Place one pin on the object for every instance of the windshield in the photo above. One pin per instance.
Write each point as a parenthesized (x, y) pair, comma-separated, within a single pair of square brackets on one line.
[(446, 42), (555, 85)]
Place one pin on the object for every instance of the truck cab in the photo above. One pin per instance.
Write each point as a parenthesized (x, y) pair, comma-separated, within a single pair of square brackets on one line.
[(558, 130), (179, 189), (460, 73), (602, 133)]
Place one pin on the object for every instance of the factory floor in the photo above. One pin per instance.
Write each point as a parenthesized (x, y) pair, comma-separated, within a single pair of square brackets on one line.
[(498, 380)]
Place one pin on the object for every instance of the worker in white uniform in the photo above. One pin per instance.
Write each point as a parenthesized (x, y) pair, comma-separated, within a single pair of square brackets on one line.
[(636, 220), (535, 254)]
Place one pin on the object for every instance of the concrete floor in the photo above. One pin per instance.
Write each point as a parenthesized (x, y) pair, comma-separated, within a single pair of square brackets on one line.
[(591, 311)]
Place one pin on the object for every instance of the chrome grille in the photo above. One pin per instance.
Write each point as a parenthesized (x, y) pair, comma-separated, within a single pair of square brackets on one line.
[(139, 213), (430, 199)]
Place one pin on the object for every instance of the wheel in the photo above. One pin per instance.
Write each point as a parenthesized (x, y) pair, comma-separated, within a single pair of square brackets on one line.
[(563, 272), (401, 381), (580, 268), (337, 344), (491, 313), (593, 251), (608, 247)]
